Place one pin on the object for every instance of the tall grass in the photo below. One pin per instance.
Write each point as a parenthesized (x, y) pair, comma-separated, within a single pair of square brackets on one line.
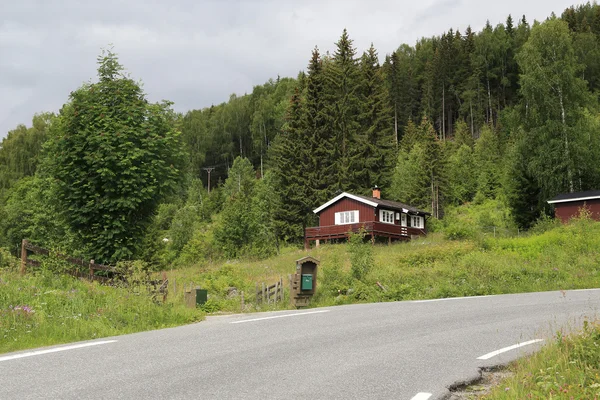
[(567, 368), (46, 308), (563, 257)]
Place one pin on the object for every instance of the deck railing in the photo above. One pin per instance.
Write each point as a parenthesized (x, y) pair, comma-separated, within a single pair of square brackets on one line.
[(372, 227)]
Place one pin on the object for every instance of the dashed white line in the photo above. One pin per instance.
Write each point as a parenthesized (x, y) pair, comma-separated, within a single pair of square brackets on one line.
[(421, 396), (505, 349), (54, 350), (279, 316)]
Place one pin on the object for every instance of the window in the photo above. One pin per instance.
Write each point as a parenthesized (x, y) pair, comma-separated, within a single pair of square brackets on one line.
[(417, 222), (346, 217), (386, 216), (403, 219)]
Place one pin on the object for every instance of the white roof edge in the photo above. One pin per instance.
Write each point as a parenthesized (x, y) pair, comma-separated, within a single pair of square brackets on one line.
[(340, 196), (577, 199)]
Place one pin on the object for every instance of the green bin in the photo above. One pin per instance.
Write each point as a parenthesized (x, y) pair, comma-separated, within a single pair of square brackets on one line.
[(307, 282), (201, 296)]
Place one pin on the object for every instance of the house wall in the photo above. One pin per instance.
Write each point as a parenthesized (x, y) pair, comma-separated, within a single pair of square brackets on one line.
[(366, 213), (568, 210)]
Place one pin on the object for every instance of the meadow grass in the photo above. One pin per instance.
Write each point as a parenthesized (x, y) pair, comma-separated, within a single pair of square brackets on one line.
[(566, 368), (47, 308), (44, 308), (562, 258)]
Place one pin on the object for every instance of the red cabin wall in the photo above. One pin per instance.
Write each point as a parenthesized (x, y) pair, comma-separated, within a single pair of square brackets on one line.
[(366, 213), (568, 210)]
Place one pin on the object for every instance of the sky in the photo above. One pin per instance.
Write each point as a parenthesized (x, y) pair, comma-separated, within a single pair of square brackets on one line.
[(198, 52)]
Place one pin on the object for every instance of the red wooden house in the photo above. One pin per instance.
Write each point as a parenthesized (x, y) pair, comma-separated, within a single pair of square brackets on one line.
[(380, 218), (569, 205)]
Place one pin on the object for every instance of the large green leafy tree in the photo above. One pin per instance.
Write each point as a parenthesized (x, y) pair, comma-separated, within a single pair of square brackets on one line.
[(556, 112), (234, 231), (113, 155), (20, 150)]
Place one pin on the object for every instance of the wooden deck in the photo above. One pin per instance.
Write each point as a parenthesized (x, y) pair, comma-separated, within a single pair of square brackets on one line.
[(372, 228)]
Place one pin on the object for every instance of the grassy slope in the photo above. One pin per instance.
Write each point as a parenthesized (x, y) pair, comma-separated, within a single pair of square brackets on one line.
[(45, 309), (568, 368), (559, 259), (65, 309)]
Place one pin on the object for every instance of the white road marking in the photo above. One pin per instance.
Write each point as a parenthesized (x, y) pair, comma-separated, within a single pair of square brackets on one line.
[(453, 298), (421, 396), (54, 350), (279, 316), (516, 346)]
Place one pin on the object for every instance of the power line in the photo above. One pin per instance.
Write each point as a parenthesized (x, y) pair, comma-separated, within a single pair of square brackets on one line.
[(208, 169)]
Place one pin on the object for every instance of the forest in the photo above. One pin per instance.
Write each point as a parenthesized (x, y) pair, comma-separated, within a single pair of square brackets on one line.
[(509, 114)]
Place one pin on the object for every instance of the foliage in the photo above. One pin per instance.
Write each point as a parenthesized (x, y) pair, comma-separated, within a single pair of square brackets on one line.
[(361, 255), (20, 150), (471, 221), (114, 155), (31, 212), (7, 260)]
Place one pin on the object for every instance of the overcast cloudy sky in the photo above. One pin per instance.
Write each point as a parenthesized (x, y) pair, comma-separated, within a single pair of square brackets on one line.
[(197, 52)]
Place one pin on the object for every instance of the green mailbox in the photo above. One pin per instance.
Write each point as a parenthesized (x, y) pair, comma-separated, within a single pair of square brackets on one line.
[(307, 282), (201, 296)]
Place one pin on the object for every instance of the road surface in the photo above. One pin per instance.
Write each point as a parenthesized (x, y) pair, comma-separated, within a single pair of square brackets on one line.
[(401, 350)]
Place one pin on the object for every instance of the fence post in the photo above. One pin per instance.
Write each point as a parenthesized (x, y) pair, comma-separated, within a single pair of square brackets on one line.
[(23, 257), (264, 295), (92, 270), (280, 288)]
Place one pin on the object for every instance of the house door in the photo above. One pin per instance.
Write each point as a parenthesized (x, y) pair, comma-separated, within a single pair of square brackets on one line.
[(403, 219)]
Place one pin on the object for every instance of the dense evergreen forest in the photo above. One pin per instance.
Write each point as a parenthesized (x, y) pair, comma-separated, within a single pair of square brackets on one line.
[(508, 113)]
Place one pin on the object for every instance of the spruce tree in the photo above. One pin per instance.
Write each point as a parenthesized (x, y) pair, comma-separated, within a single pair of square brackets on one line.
[(342, 107), (375, 139)]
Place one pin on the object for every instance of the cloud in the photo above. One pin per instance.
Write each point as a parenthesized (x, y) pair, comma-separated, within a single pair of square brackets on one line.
[(196, 53)]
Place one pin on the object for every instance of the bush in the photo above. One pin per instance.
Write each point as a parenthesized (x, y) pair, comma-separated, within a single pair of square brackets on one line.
[(361, 255), (7, 261)]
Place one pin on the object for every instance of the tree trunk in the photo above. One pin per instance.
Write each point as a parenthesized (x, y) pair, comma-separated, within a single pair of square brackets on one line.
[(443, 112), (471, 114), (490, 119), (566, 141), (396, 123)]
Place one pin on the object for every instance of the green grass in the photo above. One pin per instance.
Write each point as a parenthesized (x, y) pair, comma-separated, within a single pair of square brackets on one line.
[(562, 258), (45, 309), (66, 309), (567, 368)]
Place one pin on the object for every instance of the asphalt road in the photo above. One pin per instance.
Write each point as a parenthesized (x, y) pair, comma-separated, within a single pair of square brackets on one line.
[(402, 350)]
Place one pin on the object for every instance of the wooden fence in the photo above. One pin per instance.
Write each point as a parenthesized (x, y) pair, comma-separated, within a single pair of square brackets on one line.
[(110, 275), (90, 267), (270, 294)]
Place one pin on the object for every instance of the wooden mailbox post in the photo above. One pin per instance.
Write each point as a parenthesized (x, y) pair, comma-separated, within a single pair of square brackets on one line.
[(304, 282)]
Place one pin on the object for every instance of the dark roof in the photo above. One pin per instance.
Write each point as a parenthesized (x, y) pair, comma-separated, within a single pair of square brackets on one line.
[(393, 204), (578, 196)]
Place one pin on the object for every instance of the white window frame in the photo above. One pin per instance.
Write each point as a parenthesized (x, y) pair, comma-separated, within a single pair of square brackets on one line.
[(346, 217), (417, 222), (403, 220), (387, 216)]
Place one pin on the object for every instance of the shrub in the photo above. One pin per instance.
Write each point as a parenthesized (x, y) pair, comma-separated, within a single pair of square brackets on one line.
[(7, 261), (361, 255)]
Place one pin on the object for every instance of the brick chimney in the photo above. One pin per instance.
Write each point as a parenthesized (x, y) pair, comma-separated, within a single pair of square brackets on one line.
[(376, 192)]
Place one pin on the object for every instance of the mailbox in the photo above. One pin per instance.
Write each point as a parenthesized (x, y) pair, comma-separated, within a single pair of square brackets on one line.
[(307, 282), (304, 281)]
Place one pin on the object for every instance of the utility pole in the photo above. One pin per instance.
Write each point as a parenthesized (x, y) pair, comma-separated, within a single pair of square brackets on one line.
[(208, 169)]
